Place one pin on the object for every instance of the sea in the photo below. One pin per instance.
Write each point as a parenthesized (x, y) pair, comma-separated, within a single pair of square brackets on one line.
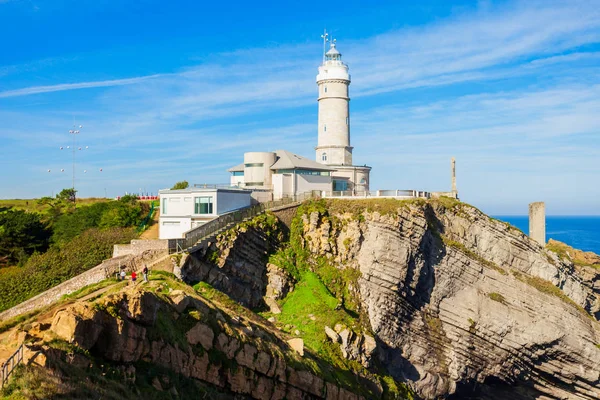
[(580, 232)]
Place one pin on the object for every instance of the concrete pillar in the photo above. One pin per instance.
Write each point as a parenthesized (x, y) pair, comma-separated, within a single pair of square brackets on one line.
[(453, 173), (537, 222)]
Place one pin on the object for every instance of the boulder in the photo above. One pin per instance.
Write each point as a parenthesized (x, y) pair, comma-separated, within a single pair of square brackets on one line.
[(297, 345)]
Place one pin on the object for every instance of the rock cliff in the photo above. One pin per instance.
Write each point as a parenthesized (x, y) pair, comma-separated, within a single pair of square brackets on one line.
[(166, 340), (440, 296), (462, 304)]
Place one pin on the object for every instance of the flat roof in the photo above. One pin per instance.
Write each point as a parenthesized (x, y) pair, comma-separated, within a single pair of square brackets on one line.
[(232, 189)]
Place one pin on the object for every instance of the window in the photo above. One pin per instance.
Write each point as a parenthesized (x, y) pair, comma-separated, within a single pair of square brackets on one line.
[(187, 199), (324, 157), (302, 172), (325, 89), (203, 205), (339, 185), (166, 223), (175, 199), (254, 165), (238, 173), (346, 120), (255, 183), (164, 205), (325, 128)]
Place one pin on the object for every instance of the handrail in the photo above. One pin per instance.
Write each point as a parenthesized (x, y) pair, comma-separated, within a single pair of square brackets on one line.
[(146, 220), (9, 365), (193, 236)]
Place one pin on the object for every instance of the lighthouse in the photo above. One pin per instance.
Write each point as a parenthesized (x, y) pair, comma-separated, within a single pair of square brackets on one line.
[(333, 139), (333, 146)]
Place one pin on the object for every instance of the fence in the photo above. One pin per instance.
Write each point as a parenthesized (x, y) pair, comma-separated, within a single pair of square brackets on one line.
[(146, 220), (192, 236), (378, 193), (10, 364)]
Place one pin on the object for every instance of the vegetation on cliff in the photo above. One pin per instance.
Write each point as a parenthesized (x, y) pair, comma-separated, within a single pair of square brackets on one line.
[(60, 243)]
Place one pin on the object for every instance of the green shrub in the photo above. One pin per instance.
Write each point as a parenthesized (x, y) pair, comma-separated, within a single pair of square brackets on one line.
[(43, 271), (497, 297), (21, 234)]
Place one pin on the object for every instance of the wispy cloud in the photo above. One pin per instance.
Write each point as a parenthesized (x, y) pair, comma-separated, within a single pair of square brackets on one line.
[(530, 66), (72, 86)]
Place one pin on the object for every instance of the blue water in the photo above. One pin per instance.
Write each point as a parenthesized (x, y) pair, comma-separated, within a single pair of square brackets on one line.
[(580, 232)]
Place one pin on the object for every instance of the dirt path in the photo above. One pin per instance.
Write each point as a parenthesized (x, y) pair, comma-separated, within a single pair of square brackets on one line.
[(152, 231)]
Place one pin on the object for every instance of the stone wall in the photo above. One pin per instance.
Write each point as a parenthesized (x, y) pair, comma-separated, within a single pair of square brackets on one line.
[(137, 247), (94, 275), (286, 214)]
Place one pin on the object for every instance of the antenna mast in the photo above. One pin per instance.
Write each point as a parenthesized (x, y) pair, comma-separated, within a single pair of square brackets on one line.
[(324, 36)]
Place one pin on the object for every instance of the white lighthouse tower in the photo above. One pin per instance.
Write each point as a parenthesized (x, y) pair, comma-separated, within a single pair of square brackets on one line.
[(333, 146)]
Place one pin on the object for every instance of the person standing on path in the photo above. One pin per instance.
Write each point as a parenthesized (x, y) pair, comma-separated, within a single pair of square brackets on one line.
[(122, 274), (145, 272), (133, 276)]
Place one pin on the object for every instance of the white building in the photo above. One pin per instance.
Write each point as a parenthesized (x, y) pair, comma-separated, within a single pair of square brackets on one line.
[(287, 174), (185, 209), (283, 173)]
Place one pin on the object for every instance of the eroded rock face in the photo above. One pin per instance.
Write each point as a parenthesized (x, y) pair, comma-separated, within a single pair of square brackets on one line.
[(236, 263), (218, 354), (477, 311)]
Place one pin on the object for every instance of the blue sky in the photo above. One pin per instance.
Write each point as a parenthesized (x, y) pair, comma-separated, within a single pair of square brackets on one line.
[(168, 91)]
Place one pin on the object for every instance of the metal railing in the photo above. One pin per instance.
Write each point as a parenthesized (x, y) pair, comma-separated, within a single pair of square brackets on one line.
[(8, 367), (378, 193), (208, 229)]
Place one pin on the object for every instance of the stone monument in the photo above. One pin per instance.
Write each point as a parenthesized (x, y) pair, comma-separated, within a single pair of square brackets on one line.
[(537, 222)]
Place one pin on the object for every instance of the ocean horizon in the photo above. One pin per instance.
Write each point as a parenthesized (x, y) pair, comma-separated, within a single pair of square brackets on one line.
[(581, 232)]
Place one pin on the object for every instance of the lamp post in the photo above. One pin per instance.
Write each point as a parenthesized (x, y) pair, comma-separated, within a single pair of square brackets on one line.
[(75, 131)]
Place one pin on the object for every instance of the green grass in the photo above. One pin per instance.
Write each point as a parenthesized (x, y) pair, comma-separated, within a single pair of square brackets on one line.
[(32, 205), (561, 249), (84, 291), (549, 288), (497, 297)]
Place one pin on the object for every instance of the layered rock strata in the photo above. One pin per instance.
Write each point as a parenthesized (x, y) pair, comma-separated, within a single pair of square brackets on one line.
[(463, 304), (234, 354)]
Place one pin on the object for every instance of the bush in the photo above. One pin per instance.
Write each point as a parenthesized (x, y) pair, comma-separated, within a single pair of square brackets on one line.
[(21, 234), (181, 185), (121, 214), (43, 271)]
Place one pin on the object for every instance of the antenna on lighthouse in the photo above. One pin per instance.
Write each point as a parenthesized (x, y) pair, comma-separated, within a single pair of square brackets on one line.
[(324, 36)]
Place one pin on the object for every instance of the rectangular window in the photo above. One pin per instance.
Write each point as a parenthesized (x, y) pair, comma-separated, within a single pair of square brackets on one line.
[(170, 223), (164, 205), (203, 205), (303, 172), (187, 199), (255, 183), (238, 173), (175, 199), (339, 185), (254, 165)]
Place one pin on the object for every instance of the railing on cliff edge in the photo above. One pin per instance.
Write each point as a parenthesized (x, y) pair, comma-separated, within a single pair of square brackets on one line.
[(146, 220), (194, 235), (9, 365)]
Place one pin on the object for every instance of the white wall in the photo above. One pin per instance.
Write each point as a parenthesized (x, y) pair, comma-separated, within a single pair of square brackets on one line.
[(237, 180), (228, 201), (173, 228), (308, 183), (180, 208)]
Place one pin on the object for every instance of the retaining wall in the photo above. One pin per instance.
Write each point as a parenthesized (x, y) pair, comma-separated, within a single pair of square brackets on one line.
[(138, 246), (98, 273)]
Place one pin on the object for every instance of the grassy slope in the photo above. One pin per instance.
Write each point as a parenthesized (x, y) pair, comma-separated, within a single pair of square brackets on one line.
[(31, 205)]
